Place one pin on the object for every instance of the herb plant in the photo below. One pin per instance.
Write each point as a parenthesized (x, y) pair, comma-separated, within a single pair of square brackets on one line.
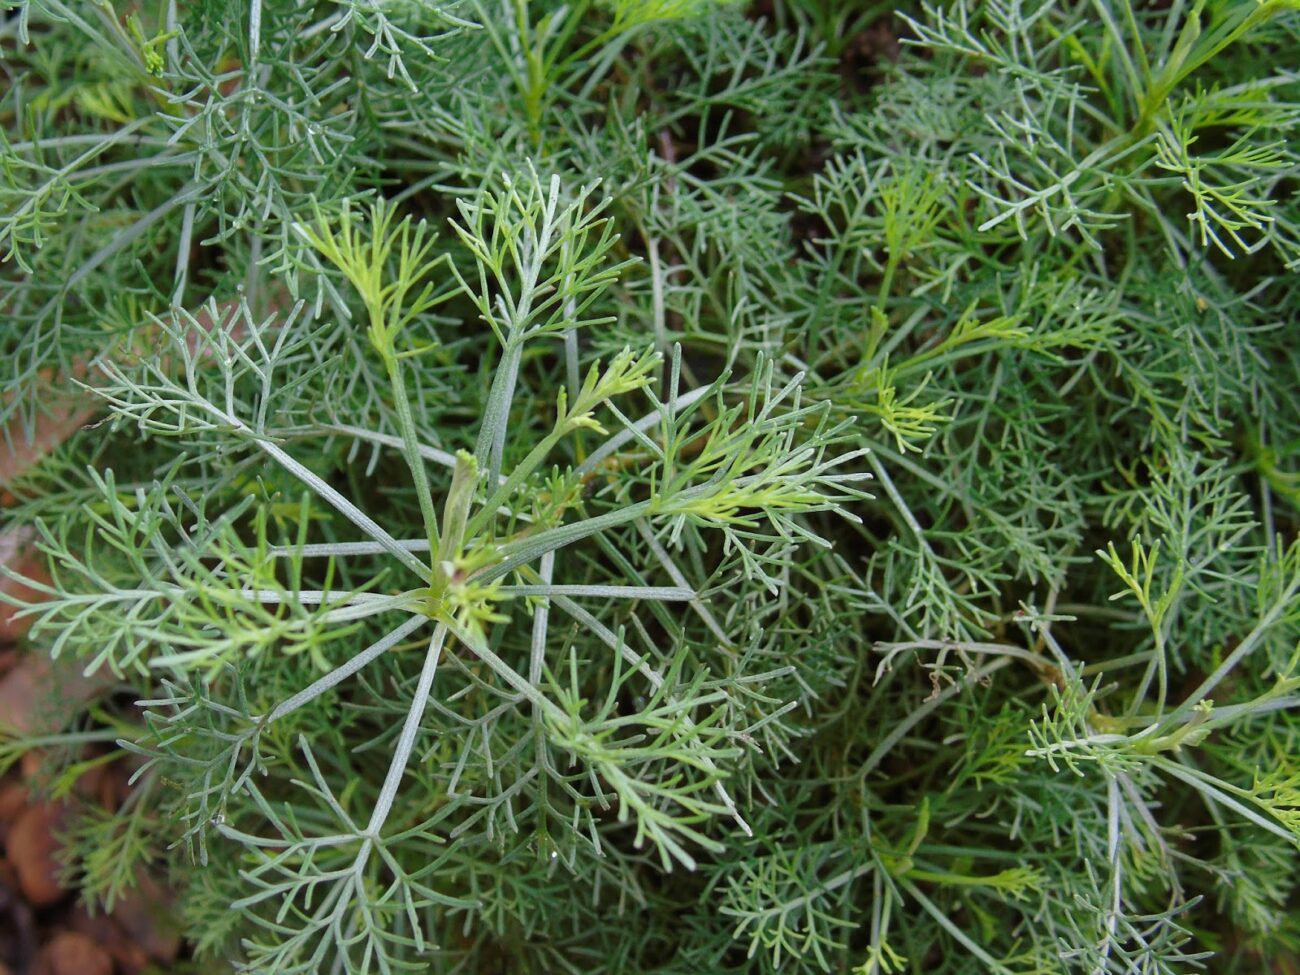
[(641, 486)]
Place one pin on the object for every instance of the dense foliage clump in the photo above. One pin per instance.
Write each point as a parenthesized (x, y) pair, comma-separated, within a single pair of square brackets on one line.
[(664, 486)]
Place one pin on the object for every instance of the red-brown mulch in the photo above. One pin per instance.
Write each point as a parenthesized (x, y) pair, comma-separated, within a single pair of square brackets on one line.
[(46, 928)]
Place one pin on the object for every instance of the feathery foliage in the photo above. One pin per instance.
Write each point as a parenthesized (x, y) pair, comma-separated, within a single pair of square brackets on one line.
[(667, 486)]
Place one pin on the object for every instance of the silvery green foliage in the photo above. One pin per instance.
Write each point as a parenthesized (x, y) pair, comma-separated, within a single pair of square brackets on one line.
[(633, 486)]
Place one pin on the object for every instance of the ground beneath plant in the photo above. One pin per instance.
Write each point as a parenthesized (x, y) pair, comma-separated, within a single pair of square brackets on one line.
[(45, 927)]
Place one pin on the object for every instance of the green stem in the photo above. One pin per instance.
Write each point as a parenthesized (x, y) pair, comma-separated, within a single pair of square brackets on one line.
[(411, 448)]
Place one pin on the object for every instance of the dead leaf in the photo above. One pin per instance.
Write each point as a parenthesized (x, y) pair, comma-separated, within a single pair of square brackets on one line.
[(146, 913), (71, 953), (13, 797), (18, 555), (18, 454), (30, 847), (40, 696), (128, 957)]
